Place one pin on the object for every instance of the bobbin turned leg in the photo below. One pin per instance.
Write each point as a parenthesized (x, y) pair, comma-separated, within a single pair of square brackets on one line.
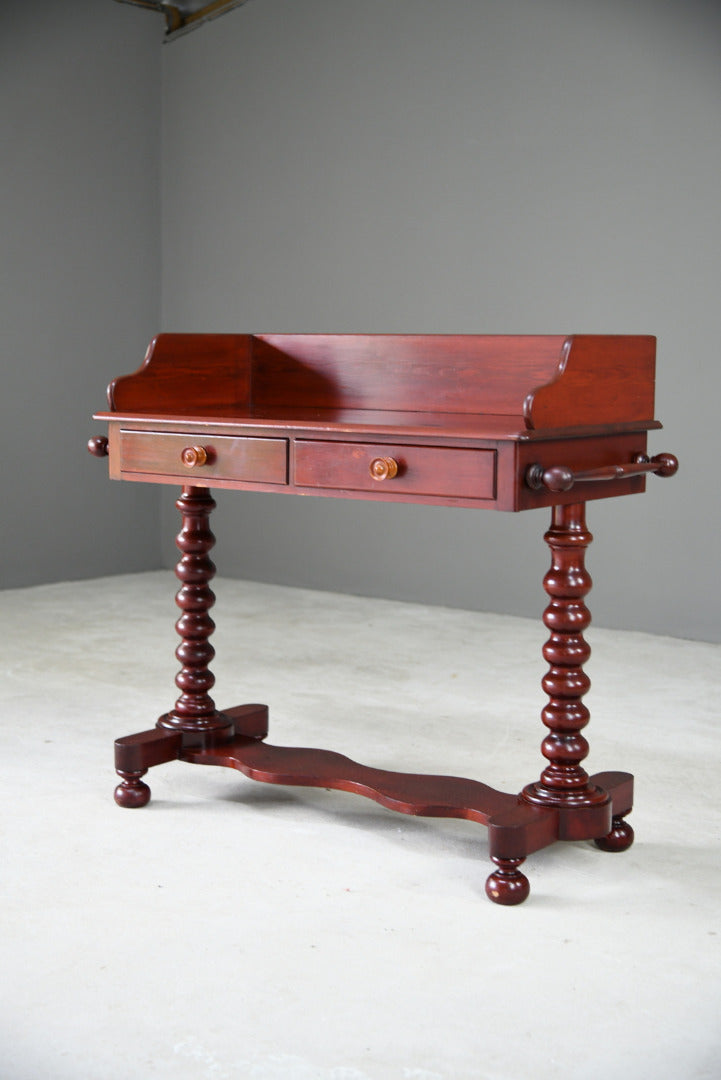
[(565, 803), (195, 714), (194, 722), (564, 783)]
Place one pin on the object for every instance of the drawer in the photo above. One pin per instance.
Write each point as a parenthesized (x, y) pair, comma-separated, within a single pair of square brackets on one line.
[(407, 470), (204, 457)]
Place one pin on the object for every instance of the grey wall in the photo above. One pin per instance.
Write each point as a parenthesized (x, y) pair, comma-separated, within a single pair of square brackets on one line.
[(499, 166), (79, 278)]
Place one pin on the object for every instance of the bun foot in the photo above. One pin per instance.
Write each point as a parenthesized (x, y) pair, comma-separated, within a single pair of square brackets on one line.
[(619, 838), (507, 885), (132, 792)]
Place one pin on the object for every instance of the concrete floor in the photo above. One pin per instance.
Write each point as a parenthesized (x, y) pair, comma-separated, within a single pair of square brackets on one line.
[(232, 929)]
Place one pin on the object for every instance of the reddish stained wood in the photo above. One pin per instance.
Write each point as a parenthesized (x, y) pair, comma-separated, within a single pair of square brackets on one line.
[(603, 379), (137, 753), (564, 781), (460, 419), (194, 713), (465, 391), (261, 460), (579, 454), (441, 373), (469, 392), (547, 381), (406, 793), (98, 446), (422, 470), (205, 370)]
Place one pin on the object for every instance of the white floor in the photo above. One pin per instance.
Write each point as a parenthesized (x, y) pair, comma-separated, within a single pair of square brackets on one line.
[(232, 929)]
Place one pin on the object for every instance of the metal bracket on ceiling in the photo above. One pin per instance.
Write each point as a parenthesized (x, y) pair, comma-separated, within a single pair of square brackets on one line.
[(182, 16)]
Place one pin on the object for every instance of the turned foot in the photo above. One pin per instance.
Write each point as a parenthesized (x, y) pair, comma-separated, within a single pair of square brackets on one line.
[(132, 792), (507, 885), (619, 839)]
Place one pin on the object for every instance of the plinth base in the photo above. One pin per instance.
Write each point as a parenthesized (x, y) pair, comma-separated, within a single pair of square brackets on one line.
[(516, 826)]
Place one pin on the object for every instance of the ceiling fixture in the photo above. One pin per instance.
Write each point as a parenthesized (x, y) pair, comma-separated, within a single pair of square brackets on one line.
[(182, 16)]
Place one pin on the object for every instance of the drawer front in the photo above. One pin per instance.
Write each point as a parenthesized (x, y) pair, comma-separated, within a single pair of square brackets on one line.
[(204, 457), (408, 470)]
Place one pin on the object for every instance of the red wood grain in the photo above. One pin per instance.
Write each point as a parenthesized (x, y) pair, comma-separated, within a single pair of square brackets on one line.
[(203, 371), (442, 373), (462, 420), (603, 379), (406, 793), (263, 461), (422, 470)]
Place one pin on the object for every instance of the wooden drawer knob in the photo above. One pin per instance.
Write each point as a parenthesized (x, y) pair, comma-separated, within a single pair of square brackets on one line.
[(384, 468), (98, 446), (194, 456)]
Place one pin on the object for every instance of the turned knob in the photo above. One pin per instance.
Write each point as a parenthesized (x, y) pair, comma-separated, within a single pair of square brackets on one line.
[(558, 478), (667, 464), (98, 446), (194, 456), (383, 468)]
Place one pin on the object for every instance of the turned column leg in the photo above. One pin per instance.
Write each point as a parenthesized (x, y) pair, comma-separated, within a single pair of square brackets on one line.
[(195, 714), (564, 783), (194, 722), (578, 807)]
